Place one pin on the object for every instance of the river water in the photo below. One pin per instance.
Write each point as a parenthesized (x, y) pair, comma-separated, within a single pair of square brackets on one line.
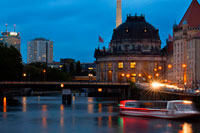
[(46, 114)]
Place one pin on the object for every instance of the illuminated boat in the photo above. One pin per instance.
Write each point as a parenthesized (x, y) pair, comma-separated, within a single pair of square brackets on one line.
[(159, 109)]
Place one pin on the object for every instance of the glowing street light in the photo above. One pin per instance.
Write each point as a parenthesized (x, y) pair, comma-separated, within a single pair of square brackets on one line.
[(128, 75), (184, 65), (123, 74), (140, 75), (149, 76), (100, 89), (24, 74), (160, 68), (44, 70), (169, 66), (157, 74), (62, 85)]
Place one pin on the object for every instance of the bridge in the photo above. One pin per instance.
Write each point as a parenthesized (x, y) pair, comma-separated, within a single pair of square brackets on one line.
[(71, 85)]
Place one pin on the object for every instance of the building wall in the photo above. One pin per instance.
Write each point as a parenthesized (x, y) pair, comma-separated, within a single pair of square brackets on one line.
[(40, 51), (108, 70), (193, 61), (181, 36), (11, 41)]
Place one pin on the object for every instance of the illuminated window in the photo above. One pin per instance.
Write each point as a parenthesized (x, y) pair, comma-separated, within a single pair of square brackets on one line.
[(109, 65), (120, 65), (132, 65)]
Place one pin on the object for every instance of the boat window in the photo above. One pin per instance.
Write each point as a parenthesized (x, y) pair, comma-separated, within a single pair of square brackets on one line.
[(185, 107), (131, 104)]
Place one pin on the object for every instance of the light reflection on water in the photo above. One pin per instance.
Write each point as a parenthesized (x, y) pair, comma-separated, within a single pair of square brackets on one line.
[(47, 114)]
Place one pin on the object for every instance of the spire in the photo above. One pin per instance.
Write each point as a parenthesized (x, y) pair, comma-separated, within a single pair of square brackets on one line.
[(192, 15), (6, 27), (14, 27), (119, 13)]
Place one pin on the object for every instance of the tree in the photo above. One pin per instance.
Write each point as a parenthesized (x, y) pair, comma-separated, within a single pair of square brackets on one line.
[(11, 67)]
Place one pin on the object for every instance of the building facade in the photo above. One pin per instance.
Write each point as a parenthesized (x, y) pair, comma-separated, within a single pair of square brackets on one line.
[(40, 50), (11, 39), (134, 53), (183, 34)]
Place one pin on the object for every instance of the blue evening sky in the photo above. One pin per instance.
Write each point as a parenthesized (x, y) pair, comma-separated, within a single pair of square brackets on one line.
[(74, 25)]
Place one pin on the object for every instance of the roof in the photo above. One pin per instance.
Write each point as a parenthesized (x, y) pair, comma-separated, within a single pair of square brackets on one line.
[(191, 16), (40, 39), (135, 28)]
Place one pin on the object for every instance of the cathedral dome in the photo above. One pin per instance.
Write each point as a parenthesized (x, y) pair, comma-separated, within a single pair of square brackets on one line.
[(135, 29)]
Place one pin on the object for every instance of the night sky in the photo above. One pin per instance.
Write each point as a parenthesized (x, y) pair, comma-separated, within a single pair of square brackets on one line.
[(74, 25)]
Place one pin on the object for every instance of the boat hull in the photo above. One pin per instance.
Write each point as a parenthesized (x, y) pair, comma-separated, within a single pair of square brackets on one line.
[(162, 115)]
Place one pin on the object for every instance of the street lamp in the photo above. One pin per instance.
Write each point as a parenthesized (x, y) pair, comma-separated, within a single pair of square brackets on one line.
[(44, 72), (169, 66), (184, 73)]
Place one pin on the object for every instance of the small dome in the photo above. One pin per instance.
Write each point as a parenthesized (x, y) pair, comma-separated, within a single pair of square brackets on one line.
[(135, 29)]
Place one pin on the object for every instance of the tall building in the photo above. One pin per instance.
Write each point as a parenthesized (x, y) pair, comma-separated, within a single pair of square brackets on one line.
[(183, 33), (40, 50), (11, 39)]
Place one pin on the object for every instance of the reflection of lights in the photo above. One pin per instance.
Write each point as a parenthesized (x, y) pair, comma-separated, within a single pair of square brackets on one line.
[(110, 72), (61, 107), (73, 98), (90, 108), (90, 100), (187, 128), (109, 121), (44, 108), (61, 121), (187, 102), (4, 104), (99, 121), (24, 104), (44, 122), (38, 98), (110, 109), (121, 122), (44, 70), (100, 107)]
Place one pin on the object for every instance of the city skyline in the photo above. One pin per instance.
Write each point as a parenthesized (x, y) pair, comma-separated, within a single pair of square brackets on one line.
[(75, 26)]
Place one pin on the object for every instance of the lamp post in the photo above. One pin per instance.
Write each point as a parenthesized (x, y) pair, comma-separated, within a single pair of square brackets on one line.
[(24, 75), (184, 73), (44, 72)]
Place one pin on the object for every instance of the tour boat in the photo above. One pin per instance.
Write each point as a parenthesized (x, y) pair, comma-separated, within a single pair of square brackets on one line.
[(175, 109)]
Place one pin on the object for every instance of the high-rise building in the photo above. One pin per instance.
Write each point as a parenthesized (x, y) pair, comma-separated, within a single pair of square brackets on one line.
[(11, 39), (185, 31), (40, 50)]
